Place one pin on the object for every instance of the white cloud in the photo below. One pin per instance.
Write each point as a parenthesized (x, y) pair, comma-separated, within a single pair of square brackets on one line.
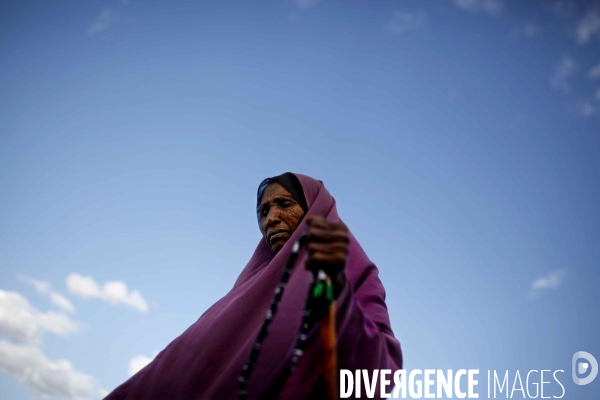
[(137, 363), (22, 322), (44, 288), (83, 286), (29, 365), (585, 108), (589, 24), (529, 30), (62, 302), (491, 7), (114, 292), (41, 286), (405, 21), (107, 17), (563, 70), (305, 4), (552, 281), (23, 359), (564, 8), (594, 72)]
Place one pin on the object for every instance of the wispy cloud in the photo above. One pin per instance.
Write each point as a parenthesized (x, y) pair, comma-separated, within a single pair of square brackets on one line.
[(402, 22), (22, 322), (589, 25), (138, 362), (528, 30), (113, 292), (563, 70), (564, 8), (44, 288), (108, 16), (585, 108), (491, 7), (41, 286), (594, 72), (62, 302), (531, 29), (305, 4), (551, 281)]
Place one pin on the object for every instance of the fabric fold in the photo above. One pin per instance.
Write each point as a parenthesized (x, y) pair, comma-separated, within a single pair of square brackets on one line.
[(205, 361)]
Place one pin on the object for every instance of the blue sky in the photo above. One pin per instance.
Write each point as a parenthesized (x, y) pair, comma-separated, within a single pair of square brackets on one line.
[(459, 138)]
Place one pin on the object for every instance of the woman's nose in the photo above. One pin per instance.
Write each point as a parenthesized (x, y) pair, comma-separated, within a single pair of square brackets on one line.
[(274, 217)]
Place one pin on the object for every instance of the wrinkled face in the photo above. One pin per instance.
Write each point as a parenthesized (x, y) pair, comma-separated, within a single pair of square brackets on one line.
[(280, 215)]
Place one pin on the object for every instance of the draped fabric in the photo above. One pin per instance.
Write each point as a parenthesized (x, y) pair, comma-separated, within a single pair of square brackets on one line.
[(205, 361)]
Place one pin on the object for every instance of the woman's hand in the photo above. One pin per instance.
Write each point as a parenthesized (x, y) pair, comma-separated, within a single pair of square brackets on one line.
[(327, 245)]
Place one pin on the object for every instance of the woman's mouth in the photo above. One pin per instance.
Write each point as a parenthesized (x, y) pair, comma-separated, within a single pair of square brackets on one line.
[(276, 235)]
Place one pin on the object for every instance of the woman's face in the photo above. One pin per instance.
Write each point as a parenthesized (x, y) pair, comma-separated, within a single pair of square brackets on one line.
[(280, 215)]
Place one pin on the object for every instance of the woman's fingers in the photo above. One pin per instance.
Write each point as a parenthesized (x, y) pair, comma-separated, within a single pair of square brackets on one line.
[(314, 219), (320, 230), (328, 235), (327, 249), (327, 245)]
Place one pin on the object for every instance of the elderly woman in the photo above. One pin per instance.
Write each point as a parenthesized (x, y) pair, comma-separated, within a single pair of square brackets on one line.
[(205, 362)]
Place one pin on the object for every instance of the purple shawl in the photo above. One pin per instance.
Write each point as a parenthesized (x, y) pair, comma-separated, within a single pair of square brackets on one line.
[(206, 360)]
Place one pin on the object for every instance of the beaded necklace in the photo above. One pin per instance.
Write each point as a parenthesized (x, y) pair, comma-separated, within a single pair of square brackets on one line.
[(319, 305)]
